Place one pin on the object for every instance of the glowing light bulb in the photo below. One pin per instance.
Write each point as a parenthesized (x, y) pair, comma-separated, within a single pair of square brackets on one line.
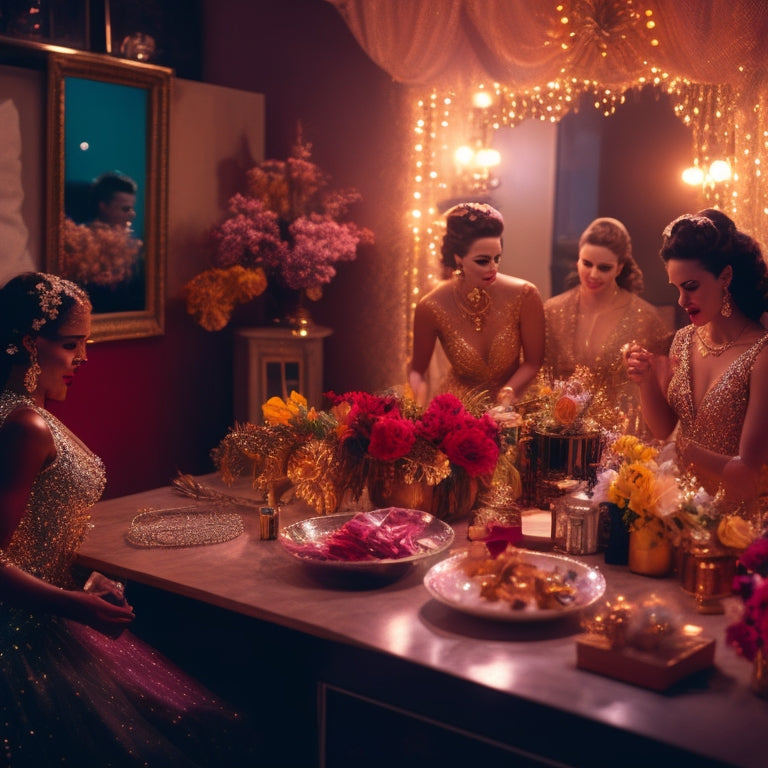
[(693, 176), (720, 170)]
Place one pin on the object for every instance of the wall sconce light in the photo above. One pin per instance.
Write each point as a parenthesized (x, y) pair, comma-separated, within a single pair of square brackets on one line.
[(473, 167), (718, 172)]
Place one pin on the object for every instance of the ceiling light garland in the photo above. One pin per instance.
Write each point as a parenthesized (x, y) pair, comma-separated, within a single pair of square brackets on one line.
[(607, 36)]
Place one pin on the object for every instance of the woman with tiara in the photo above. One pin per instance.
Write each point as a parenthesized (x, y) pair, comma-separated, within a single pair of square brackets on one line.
[(75, 687), (490, 325)]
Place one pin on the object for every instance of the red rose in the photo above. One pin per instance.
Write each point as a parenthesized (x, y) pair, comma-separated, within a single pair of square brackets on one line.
[(391, 439), (472, 449)]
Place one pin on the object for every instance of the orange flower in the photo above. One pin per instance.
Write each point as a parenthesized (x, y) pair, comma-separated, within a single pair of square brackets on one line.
[(566, 410)]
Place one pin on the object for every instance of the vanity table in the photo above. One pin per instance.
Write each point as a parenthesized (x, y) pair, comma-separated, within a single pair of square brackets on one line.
[(341, 675)]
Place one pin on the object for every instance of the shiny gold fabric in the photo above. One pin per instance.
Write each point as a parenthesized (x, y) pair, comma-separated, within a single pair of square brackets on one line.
[(717, 422), (640, 322), (471, 368), (58, 512)]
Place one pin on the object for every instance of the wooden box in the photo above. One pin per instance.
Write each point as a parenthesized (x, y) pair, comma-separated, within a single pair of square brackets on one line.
[(657, 670)]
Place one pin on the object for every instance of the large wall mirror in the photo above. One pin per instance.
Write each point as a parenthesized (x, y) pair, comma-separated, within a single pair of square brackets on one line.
[(107, 179)]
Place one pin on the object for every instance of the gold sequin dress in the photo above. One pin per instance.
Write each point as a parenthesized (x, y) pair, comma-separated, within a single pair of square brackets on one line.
[(470, 369), (639, 322), (68, 694), (717, 422)]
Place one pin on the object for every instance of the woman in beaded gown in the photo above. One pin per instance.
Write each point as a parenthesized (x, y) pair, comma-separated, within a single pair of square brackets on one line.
[(75, 688), (590, 324), (713, 386), (490, 325)]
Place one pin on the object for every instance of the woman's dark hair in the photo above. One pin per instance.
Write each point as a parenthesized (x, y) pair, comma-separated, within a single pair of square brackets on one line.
[(33, 304), (465, 223), (713, 239), (612, 234)]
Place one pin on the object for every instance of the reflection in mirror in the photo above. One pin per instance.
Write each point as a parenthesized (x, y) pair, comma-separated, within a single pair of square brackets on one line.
[(108, 188)]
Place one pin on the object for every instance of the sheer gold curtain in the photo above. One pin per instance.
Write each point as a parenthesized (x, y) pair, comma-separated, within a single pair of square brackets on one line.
[(524, 43)]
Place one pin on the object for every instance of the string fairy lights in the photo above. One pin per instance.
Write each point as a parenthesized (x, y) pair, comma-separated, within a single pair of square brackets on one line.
[(618, 40)]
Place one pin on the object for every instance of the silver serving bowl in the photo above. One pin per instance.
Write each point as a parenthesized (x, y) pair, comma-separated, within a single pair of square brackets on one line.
[(437, 537)]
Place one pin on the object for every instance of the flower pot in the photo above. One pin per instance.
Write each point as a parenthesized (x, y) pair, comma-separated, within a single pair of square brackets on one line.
[(450, 500), (650, 552), (386, 492)]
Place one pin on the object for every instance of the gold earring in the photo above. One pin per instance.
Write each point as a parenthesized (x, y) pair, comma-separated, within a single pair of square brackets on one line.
[(34, 370), (726, 310), (459, 272)]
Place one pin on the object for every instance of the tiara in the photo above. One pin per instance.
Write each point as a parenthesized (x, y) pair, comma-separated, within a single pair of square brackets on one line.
[(473, 211), (49, 292)]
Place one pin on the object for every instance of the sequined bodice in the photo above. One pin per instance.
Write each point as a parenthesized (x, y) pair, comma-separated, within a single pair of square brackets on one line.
[(640, 322), (55, 522), (471, 367), (718, 420)]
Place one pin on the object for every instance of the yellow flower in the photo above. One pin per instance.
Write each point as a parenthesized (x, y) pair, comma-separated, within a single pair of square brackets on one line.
[(736, 532), (279, 411)]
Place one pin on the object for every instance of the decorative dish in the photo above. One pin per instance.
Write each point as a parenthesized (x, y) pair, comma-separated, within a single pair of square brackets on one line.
[(448, 582), (307, 542), (183, 527)]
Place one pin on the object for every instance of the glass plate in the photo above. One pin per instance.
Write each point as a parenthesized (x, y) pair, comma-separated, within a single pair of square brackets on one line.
[(447, 582), (436, 537)]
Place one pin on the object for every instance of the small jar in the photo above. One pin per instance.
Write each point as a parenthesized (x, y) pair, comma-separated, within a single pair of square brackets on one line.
[(269, 523), (575, 524)]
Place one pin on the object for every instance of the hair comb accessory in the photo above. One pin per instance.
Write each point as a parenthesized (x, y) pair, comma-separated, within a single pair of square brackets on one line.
[(49, 292)]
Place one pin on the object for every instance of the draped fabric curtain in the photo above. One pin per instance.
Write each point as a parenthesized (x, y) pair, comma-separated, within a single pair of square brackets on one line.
[(524, 44)]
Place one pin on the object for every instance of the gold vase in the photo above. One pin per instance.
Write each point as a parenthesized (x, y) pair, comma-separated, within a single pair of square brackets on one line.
[(707, 571), (394, 492), (650, 552), (759, 682)]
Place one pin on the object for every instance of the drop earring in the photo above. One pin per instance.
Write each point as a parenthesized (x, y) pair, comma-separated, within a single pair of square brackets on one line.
[(726, 310), (34, 370)]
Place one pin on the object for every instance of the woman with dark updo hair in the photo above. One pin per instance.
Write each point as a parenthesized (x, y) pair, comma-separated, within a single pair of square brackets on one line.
[(490, 325), (76, 688), (714, 387)]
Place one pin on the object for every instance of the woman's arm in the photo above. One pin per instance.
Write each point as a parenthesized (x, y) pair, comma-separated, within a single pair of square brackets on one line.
[(26, 448), (652, 374), (424, 338), (532, 343)]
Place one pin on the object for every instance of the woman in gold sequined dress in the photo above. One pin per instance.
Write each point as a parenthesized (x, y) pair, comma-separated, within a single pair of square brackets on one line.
[(714, 388), (589, 324), (74, 687), (490, 325)]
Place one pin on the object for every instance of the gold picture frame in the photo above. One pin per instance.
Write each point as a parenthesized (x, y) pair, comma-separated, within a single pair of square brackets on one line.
[(109, 117)]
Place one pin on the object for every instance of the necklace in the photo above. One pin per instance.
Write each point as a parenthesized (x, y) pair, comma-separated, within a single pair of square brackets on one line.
[(706, 348), (476, 307)]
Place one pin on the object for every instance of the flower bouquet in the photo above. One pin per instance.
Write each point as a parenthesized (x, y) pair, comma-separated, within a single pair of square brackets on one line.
[(285, 231), (749, 635), (364, 441), (98, 255)]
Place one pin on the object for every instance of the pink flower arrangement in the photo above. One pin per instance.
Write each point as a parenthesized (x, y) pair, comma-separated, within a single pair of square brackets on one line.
[(287, 226), (750, 634)]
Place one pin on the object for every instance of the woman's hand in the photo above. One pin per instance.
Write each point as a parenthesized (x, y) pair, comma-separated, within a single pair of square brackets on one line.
[(101, 614), (639, 363)]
